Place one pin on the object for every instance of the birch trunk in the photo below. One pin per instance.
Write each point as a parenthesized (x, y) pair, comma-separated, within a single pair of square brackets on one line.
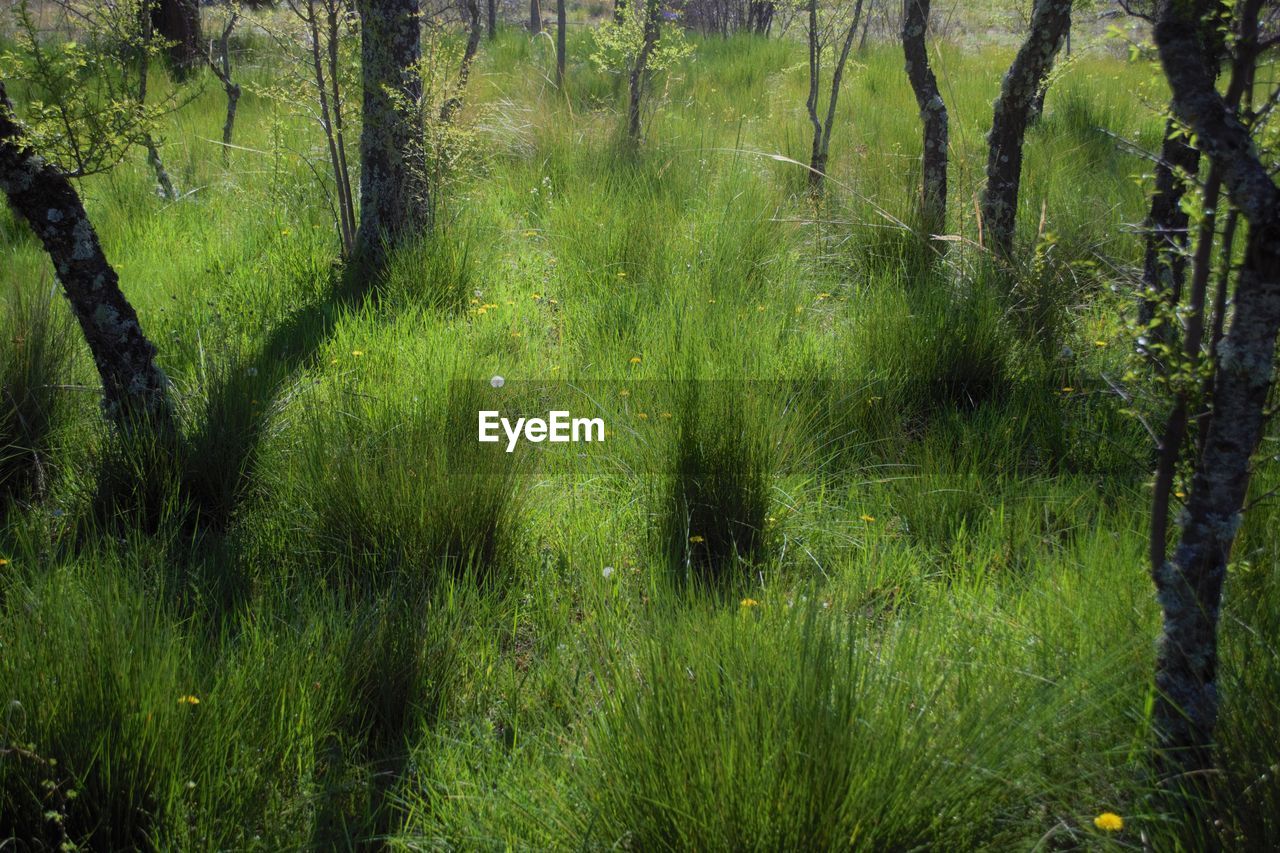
[(394, 190), (933, 115), (134, 387), (1050, 21)]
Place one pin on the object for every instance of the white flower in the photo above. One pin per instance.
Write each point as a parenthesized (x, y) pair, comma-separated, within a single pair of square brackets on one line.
[(608, 571), (497, 382)]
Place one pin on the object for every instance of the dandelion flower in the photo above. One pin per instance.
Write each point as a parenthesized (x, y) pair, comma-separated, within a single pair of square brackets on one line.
[(635, 359), (621, 274), (1099, 343), (188, 700), (607, 572), (4, 561), (357, 352), (867, 518), (750, 602), (1109, 822), (644, 416), (696, 540)]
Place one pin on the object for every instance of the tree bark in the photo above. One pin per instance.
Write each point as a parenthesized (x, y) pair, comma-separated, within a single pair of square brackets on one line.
[(1050, 21), (535, 16), (1164, 264), (178, 22), (453, 103), (933, 115), (493, 19), (1189, 585), (560, 43), (394, 189), (822, 129), (640, 69), (134, 387)]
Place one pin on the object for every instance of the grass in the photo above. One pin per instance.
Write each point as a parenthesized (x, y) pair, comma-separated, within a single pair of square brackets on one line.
[(913, 516)]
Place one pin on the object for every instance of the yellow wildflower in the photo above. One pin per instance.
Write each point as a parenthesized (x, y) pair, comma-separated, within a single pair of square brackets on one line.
[(357, 352), (1099, 343), (4, 561), (188, 700), (642, 416), (1109, 822), (750, 602), (666, 416), (696, 540), (621, 274), (635, 359), (867, 518)]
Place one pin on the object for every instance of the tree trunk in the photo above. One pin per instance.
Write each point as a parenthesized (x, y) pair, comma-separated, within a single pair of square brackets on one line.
[(820, 152), (394, 187), (134, 387), (535, 16), (1050, 20), (493, 19), (178, 22), (560, 43), (1164, 265), (933, 115), (453, 103), (640, 70), (1189, 586)]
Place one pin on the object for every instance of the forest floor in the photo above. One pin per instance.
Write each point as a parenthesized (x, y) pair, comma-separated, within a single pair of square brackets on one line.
[(861, 563)]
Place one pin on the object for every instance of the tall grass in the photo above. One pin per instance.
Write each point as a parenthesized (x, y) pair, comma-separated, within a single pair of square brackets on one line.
[(37, 351)]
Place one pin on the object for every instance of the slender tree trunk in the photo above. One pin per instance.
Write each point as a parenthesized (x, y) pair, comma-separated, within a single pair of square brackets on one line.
[(453, 103), (1164, 265), (1050, 20), (220, 65), (1189, 585), (817, 168), (535, 16), (163, 181), (640, 69), (493, 19), (333, 138), (394, 189), (178, 22), (560, 43), (821, 150), (134, 387), (933, 115)]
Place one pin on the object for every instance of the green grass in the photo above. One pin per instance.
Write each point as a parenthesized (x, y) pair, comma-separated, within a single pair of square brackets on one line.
[(877, 581)]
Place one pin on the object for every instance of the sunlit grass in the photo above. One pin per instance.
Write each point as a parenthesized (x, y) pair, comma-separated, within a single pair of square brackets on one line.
[(920, 616)]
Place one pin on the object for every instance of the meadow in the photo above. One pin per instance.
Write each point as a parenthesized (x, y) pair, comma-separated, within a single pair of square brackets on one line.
[(869, 571)]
